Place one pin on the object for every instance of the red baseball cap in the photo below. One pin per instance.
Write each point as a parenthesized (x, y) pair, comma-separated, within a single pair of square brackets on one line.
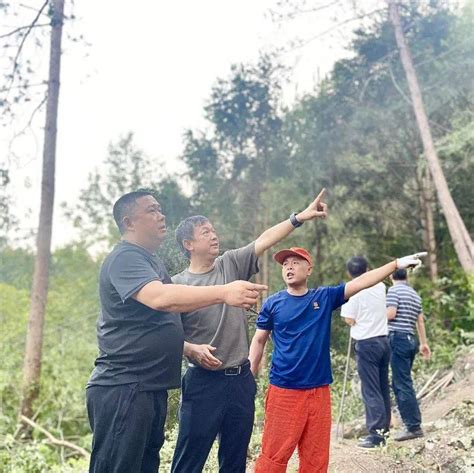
[(281, 255)]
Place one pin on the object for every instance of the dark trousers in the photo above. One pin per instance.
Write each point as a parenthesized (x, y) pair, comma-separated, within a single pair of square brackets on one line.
[(128, 428), (215, 405), (404, 348), (373, 358)]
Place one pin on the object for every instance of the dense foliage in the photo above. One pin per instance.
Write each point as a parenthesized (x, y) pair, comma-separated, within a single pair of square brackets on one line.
[(255, 162)]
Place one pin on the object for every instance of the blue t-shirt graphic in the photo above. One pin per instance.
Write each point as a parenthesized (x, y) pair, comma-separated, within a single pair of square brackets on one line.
[(301, 331)]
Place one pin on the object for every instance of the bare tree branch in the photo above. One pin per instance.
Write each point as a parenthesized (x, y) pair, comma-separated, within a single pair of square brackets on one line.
[(22, 43), (395, 84), (40, 84), (26, 127), (300, 11), (54, 440), (335, 27), (20, 28), (29, 7)]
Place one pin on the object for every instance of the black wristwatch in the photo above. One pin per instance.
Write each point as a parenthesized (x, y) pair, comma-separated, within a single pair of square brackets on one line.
[(294, 220)]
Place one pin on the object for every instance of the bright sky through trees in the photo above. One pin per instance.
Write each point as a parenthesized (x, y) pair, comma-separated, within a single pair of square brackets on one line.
[(148, 67)]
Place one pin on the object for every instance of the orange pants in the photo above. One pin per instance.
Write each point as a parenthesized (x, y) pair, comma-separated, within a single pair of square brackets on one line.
[(296, 417)]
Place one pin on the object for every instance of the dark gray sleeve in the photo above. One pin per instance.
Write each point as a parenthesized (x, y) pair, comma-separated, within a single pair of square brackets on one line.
[(244, 260), (129, 272)]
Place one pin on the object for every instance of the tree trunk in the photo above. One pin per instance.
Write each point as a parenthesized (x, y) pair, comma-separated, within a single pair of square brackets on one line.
[(430, 229), (459, 235), (39, 292), (265, 279), (427, 219)]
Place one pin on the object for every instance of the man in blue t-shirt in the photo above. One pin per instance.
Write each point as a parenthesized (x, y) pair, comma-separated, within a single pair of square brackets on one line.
[(298, 406)]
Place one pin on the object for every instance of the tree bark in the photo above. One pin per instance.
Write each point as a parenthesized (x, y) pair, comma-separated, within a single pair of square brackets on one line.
[(39, 292), (459, 235), (427, 219), (430, 228), (265, 279)]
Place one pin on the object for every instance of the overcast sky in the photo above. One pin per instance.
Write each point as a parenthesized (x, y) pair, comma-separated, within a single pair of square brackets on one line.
[(149, 68)]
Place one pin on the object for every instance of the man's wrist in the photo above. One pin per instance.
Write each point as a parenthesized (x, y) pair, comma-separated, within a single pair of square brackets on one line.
[(222, 293), (294, 221), (188, 349)]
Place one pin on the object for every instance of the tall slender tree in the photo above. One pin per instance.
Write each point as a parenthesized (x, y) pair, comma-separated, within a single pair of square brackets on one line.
[(459, 235), (34, 337)]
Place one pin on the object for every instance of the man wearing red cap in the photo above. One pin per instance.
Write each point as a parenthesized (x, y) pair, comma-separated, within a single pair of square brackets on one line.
[(298, 401), (218, 389)]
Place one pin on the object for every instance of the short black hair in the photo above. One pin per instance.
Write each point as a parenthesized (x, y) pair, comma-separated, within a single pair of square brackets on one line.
[(400, 275), (123, 207), (185, 230), (356, 266)]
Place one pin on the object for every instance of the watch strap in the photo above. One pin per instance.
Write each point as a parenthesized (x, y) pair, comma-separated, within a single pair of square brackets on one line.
[(294, 220)]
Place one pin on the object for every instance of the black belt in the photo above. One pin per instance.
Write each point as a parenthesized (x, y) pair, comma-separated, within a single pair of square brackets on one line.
[(231, 371)]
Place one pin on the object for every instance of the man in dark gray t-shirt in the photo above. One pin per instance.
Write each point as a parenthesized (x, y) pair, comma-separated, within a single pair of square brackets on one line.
[(218, 389), (140, 340), (146, 348)]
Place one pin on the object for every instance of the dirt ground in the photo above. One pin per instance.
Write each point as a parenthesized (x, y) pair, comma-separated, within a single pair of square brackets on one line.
[(448, 422)]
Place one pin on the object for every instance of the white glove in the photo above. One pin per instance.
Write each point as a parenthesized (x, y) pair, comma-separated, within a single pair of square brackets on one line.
[(411, 261)]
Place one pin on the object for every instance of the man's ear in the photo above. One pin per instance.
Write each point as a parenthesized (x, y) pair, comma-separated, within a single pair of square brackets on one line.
[(128, 224), (188, 244), (310, 270)]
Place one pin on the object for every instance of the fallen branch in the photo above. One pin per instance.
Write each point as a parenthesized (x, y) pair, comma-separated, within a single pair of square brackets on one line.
[(424, 389), (53, 439), (441, 384)]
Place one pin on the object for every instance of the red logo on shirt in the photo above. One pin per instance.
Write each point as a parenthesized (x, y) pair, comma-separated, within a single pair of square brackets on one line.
[(315, 305)]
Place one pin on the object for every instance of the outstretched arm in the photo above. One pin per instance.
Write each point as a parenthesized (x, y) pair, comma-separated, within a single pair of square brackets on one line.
[(180, 298), (271, 236), (370, 278), (256, 349)]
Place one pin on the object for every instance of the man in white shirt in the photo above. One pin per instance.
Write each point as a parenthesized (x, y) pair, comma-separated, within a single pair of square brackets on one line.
[(366, 314)]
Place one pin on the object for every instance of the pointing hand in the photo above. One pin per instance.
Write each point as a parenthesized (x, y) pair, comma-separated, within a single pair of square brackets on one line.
[(317, 209), (410, 261)]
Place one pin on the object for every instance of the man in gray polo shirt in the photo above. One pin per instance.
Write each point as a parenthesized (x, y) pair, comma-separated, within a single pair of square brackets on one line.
[(218, 389), (404, 313)]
